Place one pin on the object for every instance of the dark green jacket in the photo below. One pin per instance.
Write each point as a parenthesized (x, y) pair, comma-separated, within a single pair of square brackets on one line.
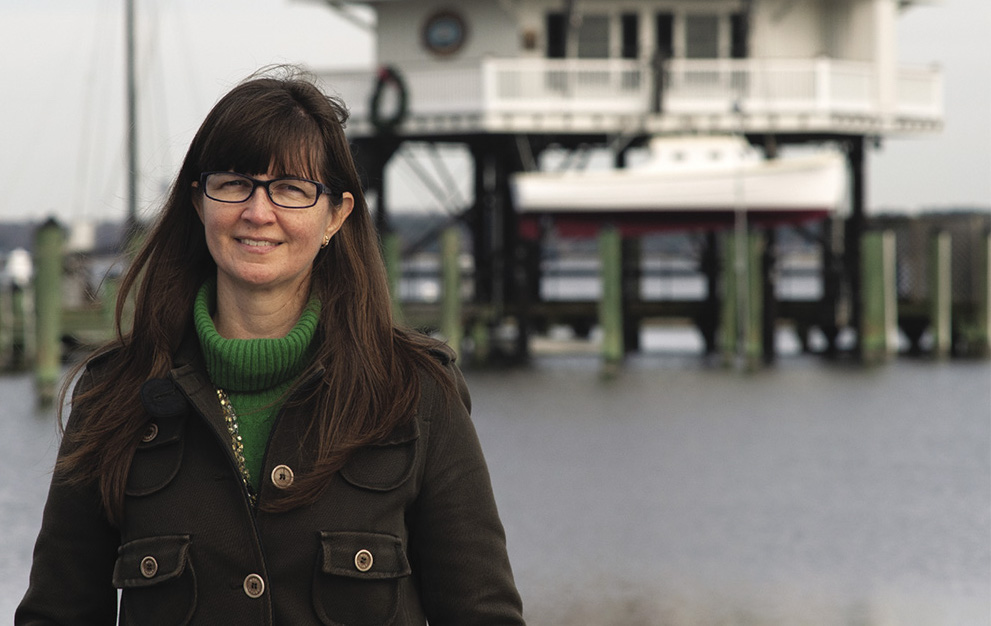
[(407, 531)]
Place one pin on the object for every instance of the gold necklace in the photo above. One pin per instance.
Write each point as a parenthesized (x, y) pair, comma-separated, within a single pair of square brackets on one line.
[(237, 445)]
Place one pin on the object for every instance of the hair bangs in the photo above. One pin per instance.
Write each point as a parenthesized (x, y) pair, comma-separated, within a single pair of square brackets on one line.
[(278, 140)]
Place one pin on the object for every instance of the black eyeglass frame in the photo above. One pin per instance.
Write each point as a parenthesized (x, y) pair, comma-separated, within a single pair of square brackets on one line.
[(255, 184)]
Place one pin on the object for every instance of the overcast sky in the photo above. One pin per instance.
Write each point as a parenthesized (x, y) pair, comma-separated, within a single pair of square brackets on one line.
[(62, 141)]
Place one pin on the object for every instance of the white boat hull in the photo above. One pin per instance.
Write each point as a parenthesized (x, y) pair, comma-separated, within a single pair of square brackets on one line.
[(814, 183)]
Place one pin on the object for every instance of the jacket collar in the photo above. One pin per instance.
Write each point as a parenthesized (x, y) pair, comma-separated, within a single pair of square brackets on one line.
[(190, 378)]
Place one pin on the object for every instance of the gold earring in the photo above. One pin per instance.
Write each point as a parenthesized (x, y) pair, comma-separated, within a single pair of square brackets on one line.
[(326, 241)]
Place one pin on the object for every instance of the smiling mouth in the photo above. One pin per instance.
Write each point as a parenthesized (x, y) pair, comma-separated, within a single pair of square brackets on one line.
[(257, 244)]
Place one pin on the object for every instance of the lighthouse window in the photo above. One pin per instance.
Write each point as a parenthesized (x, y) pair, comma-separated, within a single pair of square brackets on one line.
[(664, 29), (738, 36), (702, 36), (593, 37), (557, 35), (444, 33), (631, 35)]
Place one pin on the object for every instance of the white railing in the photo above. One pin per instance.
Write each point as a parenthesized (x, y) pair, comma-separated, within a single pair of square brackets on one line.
[(566, 86), (920, 90), (769, 86), (621, 87)]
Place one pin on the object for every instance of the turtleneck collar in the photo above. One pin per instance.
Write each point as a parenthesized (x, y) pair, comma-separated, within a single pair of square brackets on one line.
[(253, 365)]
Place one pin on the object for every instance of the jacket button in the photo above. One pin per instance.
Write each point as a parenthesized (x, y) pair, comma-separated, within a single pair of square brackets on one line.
[(149, 567), (254, 586), (151, 433), (363, 560), (282, 476)]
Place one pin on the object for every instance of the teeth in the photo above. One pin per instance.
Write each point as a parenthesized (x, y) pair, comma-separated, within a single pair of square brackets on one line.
[(252, 242)]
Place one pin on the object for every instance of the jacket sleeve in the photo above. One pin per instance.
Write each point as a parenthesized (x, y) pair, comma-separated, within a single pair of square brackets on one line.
[(74, 556), (458, 544)]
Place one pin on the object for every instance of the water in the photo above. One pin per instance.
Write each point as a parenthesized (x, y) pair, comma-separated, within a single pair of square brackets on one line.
[(681, 493)]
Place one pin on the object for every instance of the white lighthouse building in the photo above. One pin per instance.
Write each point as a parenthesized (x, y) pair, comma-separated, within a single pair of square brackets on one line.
[(508, 79), (647, 66)]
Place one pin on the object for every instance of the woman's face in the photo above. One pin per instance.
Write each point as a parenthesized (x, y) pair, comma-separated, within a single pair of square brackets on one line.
[(259, 246)]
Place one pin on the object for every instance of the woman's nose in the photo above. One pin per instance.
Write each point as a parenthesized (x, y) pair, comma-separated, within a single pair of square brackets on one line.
[(259, 207)]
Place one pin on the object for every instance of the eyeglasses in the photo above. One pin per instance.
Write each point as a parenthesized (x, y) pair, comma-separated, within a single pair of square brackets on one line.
[(289, 192)]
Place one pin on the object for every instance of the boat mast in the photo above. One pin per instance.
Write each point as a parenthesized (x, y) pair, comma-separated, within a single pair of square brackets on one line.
[(131, 223)]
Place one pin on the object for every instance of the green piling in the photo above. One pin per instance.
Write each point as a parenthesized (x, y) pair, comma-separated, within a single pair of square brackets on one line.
[(48, 310), (481, 341), (450, 324), (753, 335), (611, 300), (729, 300), (879, 311), (984, 307), (940, 294), (108, 301), (975, 332), (393, 268), (741, 332), (5, 327), (984, 312), (21, 339)]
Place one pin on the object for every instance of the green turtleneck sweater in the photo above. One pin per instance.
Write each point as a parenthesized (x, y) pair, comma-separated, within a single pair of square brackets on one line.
[(255, 373)]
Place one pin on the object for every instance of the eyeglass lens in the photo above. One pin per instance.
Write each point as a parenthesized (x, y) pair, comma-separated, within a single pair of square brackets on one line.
[(285, 192)]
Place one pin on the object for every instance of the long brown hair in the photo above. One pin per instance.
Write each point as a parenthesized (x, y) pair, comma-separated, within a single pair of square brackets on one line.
[(280, 123)]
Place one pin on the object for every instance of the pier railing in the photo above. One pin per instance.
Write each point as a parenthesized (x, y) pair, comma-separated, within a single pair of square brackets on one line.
[(530, 95)]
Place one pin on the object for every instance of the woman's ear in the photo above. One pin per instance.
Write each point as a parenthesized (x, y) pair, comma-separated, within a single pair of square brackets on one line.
[(339, 213), (197, 199)]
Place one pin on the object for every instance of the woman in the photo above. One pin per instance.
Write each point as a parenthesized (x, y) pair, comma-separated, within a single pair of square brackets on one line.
[(266, 446)]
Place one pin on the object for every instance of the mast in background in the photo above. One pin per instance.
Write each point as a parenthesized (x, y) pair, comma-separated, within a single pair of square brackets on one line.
[(132, 124)]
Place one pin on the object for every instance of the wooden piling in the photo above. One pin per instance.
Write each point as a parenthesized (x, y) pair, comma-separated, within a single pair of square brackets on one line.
[(753, 335), (22, 337), (481, 341), (984, 315), (879, 298), (611, 299), (393, 269), (451, 320), (940, 294), (741, 319), (631, 276), (8, 332), (975, 334), (728, 301), (48, 310)]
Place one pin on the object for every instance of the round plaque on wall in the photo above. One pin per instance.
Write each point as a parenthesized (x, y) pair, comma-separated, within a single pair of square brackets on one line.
[(444, 32)]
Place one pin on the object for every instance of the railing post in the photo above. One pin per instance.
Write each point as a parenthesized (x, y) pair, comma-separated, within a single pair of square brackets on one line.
[(48, 303), (940, 293), (822, 82), (611, 299), (490, 101), (450, 324), (879, 297)]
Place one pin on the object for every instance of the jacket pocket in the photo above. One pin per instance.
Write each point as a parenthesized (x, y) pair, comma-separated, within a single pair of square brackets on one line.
[(157, 459), (157, 580), (358, 576), (387, 464)]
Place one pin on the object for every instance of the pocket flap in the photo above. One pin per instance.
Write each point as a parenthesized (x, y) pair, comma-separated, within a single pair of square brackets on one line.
[(385, 465), (150, 561), (157, 459), (363, 555), (404, 433)]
